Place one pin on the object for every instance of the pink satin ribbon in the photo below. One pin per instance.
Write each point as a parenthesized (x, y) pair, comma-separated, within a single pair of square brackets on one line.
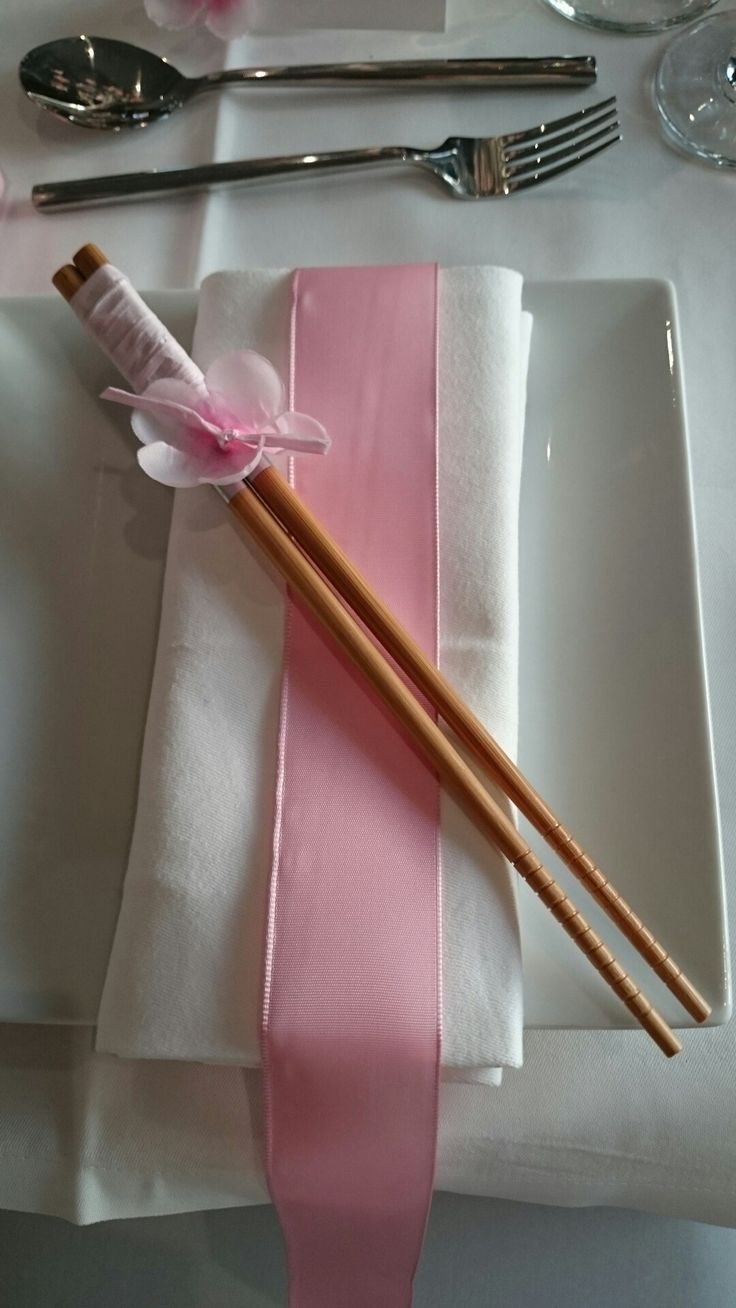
[(351, 1018)]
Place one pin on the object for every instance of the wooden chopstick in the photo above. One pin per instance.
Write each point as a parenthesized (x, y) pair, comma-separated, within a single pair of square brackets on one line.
[(309, 533), (302, 575), (68, 280), (291, 511)]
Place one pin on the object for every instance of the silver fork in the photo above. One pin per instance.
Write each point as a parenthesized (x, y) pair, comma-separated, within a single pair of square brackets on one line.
[(472, 167)]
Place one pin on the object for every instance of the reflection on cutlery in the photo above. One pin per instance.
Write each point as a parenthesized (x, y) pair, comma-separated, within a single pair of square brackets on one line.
[(94, 82), (472, 167)]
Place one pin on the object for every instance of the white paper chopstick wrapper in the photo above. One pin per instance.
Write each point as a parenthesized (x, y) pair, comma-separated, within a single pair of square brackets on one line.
[(140, 346)]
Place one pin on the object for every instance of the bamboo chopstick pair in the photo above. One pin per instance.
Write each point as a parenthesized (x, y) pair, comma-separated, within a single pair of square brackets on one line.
[(308, 559)]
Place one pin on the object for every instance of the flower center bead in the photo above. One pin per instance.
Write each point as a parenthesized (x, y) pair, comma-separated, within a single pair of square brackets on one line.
[(225, 437)]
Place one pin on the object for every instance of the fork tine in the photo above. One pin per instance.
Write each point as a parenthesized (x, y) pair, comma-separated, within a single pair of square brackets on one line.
[(557, 124), (521, 167), (543, 175), (546, 143)]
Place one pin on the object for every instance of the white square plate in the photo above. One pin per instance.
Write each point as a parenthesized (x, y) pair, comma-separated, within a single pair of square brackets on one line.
[(614, 723), (614, 727)]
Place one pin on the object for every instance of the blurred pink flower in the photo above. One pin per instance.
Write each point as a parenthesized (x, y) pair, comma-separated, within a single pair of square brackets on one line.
[(226, 18), (216, 433)]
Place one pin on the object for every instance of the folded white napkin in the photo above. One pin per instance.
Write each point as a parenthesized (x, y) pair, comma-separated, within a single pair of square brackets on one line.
[(184, 975)]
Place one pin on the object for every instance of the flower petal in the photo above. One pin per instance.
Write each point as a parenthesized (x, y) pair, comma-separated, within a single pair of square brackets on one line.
[(169, 466), (158, 403), (232, 464), (178, 415), (181, 433), (174, 388), (232, 477), (166, 407), (165, 420), (174, 13), (228, 18), (147, 427), (250, 387), (297, 431)]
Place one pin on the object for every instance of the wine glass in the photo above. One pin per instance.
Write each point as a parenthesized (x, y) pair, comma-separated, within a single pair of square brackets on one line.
[(631, 15), (695, 89)]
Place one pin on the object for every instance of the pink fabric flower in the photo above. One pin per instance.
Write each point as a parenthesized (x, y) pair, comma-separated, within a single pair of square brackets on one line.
[(216, 433), (226, 18)]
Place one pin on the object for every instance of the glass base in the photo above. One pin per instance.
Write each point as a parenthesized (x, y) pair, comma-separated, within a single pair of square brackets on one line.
[(695, 90), (631, 15)]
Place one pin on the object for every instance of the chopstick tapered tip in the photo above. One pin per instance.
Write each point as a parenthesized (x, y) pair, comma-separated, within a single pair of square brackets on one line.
[(692, 1000), (662, 1034), (68, 280), (89, 259)]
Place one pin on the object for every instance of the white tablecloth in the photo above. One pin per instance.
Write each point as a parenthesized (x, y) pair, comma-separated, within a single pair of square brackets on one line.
[(590, 1118)]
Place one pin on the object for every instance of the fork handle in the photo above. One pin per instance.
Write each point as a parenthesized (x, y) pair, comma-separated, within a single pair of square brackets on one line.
[(578, 70), (75, 194)]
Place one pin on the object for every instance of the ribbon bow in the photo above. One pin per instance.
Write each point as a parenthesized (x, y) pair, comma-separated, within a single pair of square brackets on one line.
[(215, 433)]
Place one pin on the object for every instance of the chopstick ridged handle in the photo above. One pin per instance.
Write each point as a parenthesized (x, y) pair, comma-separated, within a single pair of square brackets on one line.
[(589, 942), (459, 780), (275, 491), (631, 925)]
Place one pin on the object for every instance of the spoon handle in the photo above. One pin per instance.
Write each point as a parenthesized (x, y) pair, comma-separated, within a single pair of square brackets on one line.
[(570, 71)]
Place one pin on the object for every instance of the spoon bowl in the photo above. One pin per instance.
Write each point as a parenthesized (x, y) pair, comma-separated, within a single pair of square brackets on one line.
[(95, 82)]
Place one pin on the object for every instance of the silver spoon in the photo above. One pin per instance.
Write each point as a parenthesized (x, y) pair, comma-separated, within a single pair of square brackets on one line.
[(95, 82)]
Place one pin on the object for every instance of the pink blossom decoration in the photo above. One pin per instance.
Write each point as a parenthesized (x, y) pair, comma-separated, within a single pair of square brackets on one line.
[(216, 433), (226, 18)]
